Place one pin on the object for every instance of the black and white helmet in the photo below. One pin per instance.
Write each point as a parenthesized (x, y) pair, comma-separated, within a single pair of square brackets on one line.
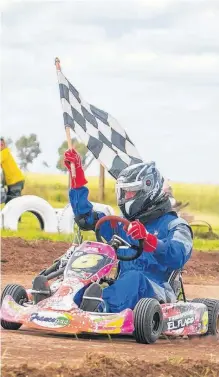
[(139, 189)]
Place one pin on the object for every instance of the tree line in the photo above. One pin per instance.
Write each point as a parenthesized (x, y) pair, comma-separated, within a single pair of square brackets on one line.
[(28, 149)]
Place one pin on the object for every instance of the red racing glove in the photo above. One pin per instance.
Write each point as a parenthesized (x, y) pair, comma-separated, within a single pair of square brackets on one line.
[(137, 231), (71, 156)]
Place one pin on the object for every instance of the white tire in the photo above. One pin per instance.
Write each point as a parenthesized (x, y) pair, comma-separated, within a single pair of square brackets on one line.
[(44, 212), (66, 217), (58, 211), (1, 220), (65, 220)]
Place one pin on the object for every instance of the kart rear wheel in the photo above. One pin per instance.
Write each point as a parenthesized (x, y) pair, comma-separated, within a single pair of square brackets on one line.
[(148, 321), (213, 314), (19, 295)]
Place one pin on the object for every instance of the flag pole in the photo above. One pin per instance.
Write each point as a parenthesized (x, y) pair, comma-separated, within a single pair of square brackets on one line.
[(67, 129)]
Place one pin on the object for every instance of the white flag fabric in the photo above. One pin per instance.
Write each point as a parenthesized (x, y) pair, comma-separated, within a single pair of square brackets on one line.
[(98, 130)]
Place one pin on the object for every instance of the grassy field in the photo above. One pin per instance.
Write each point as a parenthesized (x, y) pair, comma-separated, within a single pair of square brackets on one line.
[(203, 199)]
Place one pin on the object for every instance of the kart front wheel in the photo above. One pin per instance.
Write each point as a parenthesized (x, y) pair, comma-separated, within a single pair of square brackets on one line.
[(148, 321), (213, 314), (19, 294)]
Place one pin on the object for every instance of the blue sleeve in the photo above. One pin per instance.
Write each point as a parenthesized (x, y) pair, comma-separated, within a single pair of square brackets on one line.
[(175, 250), (79, 201), (83, 209)]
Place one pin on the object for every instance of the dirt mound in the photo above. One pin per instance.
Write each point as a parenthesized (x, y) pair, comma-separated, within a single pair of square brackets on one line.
[(202, 265), (100, 365), (20, 256)]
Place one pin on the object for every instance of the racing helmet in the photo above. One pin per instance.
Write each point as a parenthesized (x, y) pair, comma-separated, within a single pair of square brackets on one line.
[(139, 190)]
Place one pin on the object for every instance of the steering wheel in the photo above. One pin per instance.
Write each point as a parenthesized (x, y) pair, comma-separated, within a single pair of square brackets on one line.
[(114, 220)]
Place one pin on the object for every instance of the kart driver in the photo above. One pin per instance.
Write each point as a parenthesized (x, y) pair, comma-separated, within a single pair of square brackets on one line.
[(167, 237)]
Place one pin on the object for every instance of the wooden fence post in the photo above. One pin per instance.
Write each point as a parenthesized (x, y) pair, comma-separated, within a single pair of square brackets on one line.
[(101, 184)]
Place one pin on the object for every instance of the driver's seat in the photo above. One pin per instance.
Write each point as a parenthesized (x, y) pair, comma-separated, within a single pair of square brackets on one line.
[(175, 281)]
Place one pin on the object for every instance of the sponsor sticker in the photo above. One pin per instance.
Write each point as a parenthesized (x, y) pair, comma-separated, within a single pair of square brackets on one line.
[(48, 319), (180, 323)]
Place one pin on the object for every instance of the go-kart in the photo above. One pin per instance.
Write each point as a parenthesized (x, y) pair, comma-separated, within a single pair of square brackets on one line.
[(40, 308)]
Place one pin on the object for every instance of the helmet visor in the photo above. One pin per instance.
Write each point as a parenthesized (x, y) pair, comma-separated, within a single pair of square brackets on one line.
[(127, 191)]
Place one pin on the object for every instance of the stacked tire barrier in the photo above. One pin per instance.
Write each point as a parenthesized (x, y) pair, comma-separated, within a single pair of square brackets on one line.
[(52, 220), (39, 207), (66, 216)]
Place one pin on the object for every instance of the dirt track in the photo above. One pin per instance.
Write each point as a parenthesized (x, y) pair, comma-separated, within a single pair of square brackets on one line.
[(21, 260), (95, 365)]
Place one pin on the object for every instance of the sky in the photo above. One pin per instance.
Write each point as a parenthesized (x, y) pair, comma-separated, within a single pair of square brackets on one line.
[(153, 65)]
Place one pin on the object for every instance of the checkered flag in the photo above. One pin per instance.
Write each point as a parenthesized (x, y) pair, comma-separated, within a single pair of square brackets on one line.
[(97, 129)]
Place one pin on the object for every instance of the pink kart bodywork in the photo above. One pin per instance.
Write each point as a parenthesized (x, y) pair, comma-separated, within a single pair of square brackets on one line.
[(59, 312), (90, 262)]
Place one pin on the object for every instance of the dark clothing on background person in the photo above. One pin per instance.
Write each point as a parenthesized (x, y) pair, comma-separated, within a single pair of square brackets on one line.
[(14, 191)]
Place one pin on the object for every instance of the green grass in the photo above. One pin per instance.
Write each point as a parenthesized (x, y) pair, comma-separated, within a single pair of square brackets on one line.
[(202, 198), (54, 188), (204, 205), (35, 235), (206, 245), (29, 229)]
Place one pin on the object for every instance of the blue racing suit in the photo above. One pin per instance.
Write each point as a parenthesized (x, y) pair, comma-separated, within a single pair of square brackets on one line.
[(148, 275)]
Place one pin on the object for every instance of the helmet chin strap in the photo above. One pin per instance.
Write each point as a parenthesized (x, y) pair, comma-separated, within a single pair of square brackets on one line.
[(128, 205)]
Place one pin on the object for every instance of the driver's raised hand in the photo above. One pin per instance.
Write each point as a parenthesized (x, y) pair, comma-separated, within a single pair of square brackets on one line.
[(72, 157), (138, 232)]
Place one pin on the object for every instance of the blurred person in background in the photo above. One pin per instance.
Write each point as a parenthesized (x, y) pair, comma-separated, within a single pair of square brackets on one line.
[(11, 176), (169, 190), (2, 187)]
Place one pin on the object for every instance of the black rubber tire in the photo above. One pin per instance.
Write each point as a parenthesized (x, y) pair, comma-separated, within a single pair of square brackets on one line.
[(19, 295), (148, 321), (213, 314)]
